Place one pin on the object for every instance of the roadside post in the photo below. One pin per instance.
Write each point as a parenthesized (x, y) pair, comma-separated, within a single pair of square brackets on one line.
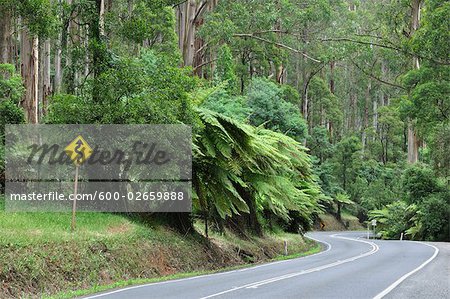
[(74, 205), (78, 151), (374, 225), (368, 230)]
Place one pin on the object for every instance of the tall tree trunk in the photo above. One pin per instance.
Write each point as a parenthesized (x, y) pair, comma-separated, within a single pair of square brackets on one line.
[(305, 100), (384, 77), (181, 24), (29, 70), (15, 43), (413, 144), (46, 84), (5, 36), (305, 106), (57, 62), (280, 68), (332, 65), (375, 117), (71, 75), (366, 115), (189, 37), (40, 78), (332, 90), (101, 18), (353, 108), (98, 54), (86, 55), (198, 54)]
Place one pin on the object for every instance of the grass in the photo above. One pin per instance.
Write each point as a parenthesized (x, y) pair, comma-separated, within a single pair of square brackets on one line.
[(27, 228)]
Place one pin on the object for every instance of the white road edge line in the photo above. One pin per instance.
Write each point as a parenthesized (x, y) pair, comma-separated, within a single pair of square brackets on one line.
[(206, 275), (319, 241), (401, 279), (283, 261), (256, 284)]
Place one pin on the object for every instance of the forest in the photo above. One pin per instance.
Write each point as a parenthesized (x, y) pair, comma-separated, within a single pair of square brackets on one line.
[(297, 107)]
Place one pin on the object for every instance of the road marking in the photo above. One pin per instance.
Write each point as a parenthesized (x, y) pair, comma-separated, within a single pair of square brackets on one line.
[(323, 242), (284, 261), (157, 283), (256, 284), (401, 279)]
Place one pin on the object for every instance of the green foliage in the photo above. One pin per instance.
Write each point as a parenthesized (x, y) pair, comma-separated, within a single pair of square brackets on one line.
[(345, 159), (431, 219), (290, 94), (440, 143), (378, 184), (150, 22), (269, 108), (11, 87), (319, 143), (431, 39), (225, 69), (11, 90), (39, 16), (393, 219), (361, 95), (389, 146), (231, 106), (329, 105), (146, 89), (423, 214), (263, 104), (429, 100), (10, 114), (419, 182), (238, 166), (343, 199)]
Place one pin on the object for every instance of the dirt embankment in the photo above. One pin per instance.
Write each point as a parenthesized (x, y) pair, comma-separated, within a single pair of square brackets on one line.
[(53, 267), (328, 222)]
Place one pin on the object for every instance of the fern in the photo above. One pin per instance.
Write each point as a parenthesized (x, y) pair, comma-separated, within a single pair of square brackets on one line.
[(274, 169)]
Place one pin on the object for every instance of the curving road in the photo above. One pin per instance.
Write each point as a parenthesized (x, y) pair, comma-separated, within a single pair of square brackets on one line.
[(350, 266)]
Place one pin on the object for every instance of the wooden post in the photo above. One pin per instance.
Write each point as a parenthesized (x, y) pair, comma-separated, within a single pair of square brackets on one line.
[(285, 248), (74, 206)]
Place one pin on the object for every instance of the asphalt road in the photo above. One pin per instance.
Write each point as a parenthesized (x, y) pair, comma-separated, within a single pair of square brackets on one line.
[(349, 267)]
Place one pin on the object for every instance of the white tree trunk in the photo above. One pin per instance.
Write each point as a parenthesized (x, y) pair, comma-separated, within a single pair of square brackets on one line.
[(366, 115), (29, 70), (46, 84), (57, 81), (375, 116), (5, 37), (413, 144), (189, 37), (101, 16)]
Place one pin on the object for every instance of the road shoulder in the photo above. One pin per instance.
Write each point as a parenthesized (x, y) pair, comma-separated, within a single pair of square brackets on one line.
[(433, 281)]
